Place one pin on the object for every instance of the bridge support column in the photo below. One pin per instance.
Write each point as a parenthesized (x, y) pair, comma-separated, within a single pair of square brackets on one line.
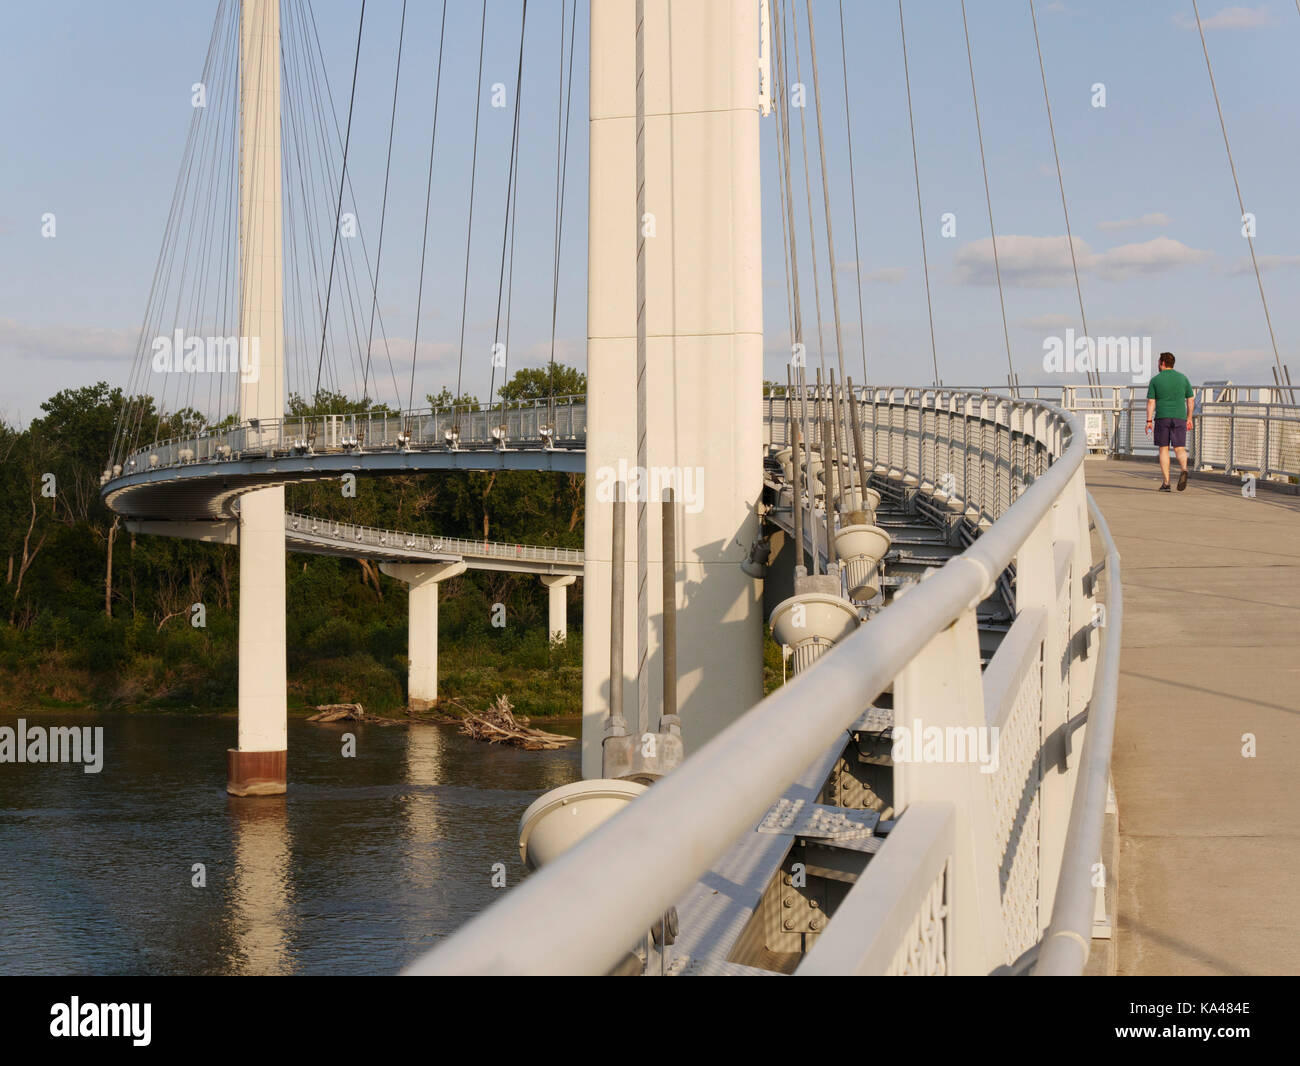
[(703, 346), (422, 638), (257, 766), (557, 627)]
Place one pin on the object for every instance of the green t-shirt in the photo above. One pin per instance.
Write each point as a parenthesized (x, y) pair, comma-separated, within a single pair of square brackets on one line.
[(1171, 391)]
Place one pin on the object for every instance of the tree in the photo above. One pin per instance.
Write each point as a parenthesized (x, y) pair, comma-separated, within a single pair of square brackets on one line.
[(444, 399), (328, 402), (540, 382)]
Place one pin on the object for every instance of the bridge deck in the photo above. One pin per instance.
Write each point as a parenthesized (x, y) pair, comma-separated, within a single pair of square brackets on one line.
[(1209, 840)]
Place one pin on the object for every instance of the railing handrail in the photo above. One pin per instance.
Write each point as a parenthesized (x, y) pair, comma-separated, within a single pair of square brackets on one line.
[(459, 545), (580, 913), (268, 424), (1068, 940)]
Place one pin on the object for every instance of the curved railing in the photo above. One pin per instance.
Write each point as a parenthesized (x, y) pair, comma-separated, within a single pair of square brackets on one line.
[(347, 534), (538, 424), (1068, 941), (964, 881)]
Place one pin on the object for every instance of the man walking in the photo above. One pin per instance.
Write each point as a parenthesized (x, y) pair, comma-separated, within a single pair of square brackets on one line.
[(1169, 408)]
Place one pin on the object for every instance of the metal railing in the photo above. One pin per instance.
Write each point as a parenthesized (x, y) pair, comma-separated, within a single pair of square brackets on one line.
[(1236, 428), (1066, 946), (967, 894), (348, 535), (543, 423)]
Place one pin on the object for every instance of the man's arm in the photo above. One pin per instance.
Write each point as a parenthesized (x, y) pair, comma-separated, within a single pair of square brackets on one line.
[(1191, 404), (1151, 413)]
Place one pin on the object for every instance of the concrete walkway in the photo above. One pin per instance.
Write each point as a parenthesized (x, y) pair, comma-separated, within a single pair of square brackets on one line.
[(1209, 869)]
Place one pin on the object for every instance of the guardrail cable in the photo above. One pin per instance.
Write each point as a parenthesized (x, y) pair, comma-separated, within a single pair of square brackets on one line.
[(428, 194), (338, 212), (988, 196), (853, 192), (920, 214), (1241, 203), (1094, 378), (469, 221)]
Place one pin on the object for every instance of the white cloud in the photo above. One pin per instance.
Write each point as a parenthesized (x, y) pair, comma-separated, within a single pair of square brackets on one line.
[(88, 344), (1246, 366), (883, 276), (1052, 321), (1029, 261), (1044, 262), (1156, 219), (1149, 257), (1230, 18), (1266, 262)]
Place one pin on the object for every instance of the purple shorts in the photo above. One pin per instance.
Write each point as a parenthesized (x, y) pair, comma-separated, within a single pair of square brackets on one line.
[(1171, 432)]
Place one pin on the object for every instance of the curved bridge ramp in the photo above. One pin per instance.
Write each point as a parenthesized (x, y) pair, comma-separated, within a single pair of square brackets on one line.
[(199, 476), (322, 536)]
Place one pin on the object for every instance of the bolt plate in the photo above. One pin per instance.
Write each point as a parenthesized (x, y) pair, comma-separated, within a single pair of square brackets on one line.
[(876, 720), (801, 818)]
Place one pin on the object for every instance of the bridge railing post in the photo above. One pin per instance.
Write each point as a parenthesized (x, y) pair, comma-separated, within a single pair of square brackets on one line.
[(938, 698)]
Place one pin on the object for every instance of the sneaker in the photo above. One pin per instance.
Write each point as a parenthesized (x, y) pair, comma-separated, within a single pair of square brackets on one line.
[(1164, 487), (1182, 481)]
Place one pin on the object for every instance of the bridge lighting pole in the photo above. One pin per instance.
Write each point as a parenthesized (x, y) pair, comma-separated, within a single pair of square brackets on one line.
[(703, 330), (257, 767)]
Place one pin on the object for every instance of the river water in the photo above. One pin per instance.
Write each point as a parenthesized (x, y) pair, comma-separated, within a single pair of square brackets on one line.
[(364, 864)]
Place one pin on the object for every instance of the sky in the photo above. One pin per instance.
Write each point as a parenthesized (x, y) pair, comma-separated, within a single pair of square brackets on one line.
[(98, 102)]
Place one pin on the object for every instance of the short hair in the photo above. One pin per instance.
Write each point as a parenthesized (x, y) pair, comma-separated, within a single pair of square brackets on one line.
[(1167, 359)]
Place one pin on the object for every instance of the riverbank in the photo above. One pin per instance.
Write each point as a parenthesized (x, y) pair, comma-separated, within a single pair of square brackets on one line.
[(199, 674)]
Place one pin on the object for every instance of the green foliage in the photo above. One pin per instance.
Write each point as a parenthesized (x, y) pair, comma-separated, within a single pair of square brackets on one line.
[(534, 383), (327, 402), (346, 625)]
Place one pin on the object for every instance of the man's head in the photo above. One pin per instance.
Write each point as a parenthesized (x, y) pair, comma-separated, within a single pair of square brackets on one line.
[(1166, 360)]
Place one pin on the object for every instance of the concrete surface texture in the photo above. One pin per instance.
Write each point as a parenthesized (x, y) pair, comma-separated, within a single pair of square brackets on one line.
[(1209, 837)]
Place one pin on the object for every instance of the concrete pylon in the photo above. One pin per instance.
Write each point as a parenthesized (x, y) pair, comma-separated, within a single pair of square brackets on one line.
[(422, 628), (557, 626), (257, 767), (704, 340)]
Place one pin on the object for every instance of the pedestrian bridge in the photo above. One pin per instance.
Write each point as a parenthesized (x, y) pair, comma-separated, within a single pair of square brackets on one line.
[(1000, 608), (939, 866), (1210, 652), (200, 475)]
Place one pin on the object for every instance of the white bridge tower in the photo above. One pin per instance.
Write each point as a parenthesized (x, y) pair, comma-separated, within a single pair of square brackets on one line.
[(698, 132), (257, 766)]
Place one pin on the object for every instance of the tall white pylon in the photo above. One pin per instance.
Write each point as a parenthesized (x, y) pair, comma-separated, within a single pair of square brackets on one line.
[(704, 340), (257, 767)]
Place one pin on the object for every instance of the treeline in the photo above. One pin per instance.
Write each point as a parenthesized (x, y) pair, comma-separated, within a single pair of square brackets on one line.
[(92, 614)]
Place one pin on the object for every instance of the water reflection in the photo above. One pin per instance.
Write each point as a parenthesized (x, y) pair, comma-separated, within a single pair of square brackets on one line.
[(260, 906), (364, 864)]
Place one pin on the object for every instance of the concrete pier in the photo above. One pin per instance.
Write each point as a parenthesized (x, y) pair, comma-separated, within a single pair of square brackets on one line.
[(557, 604), (422, 638)]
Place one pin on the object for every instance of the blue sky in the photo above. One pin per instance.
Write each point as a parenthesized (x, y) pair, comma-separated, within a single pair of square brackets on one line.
[(98, 105)]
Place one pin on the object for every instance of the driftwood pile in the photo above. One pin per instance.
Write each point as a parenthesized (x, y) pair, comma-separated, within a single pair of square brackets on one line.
[(347, 712), (498, 725)]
